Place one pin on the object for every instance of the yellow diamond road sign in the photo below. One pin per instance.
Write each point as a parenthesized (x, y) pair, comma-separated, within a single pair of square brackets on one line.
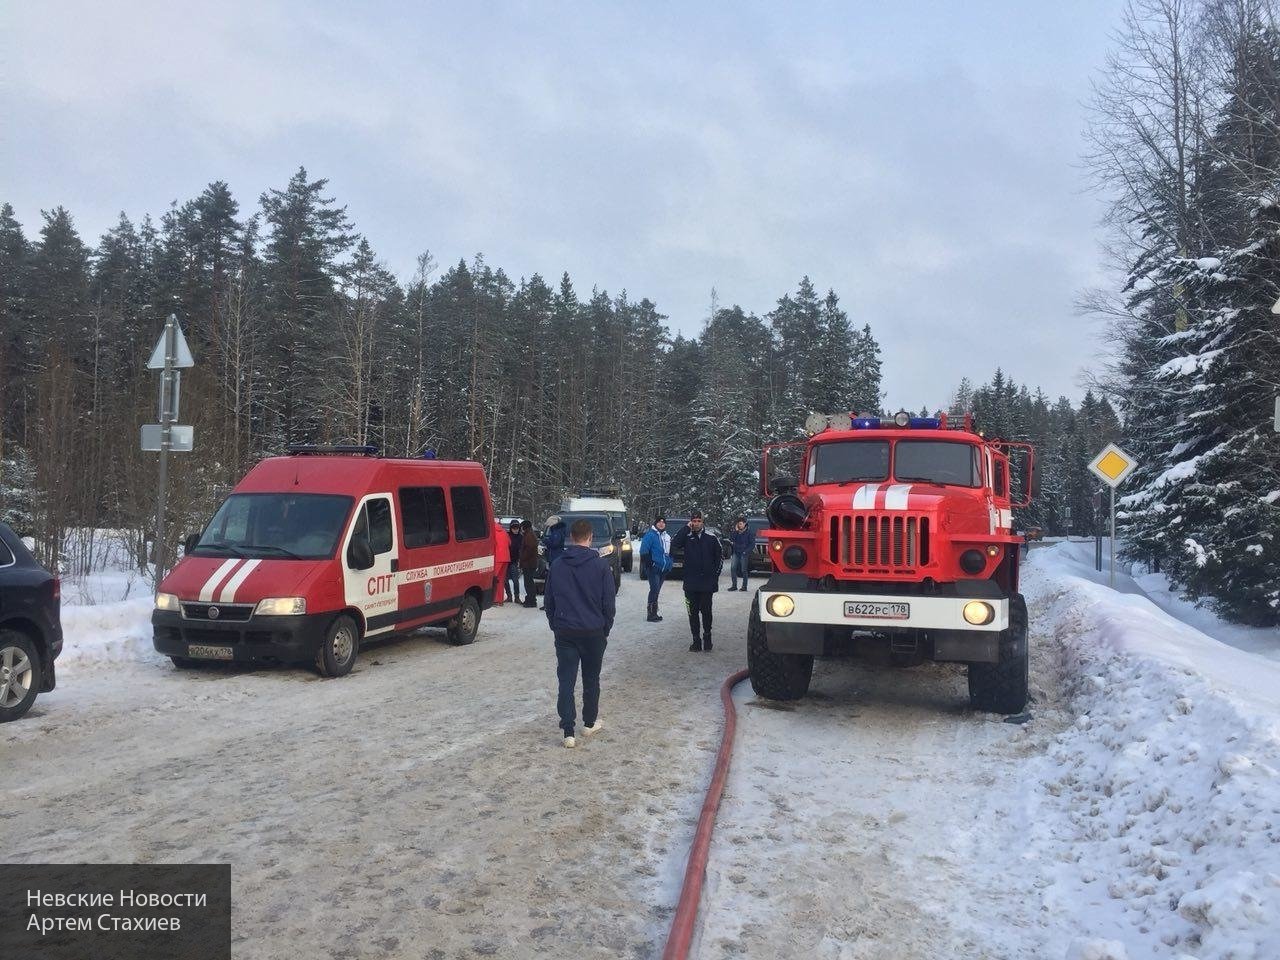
[(1112, 465)]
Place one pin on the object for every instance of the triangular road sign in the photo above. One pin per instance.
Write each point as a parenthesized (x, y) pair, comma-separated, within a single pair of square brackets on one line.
[(181, 352)]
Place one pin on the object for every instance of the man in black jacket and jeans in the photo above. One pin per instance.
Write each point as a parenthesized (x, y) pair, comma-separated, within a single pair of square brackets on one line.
[(578, 600), (703, 562)]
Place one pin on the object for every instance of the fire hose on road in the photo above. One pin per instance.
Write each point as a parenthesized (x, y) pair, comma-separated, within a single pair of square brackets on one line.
[(681, 934)]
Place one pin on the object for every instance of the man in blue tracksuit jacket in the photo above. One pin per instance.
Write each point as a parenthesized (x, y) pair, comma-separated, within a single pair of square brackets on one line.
[(744, 542), (656, 562), (579, 603)]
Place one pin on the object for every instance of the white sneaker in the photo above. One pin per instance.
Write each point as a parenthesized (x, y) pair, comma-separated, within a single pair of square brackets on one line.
[(570, 742), (592, 730)]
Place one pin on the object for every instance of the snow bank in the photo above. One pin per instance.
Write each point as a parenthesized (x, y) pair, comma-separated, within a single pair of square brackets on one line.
[(1157, 814), (106, 617)]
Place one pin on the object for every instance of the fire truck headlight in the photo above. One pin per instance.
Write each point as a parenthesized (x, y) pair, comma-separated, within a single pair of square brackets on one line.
[(795, 557), (979, 613), (780, 605), (973, 562), (167, 601), (281, 607)]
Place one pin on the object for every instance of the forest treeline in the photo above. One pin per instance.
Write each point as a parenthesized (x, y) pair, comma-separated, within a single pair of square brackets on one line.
[(300, 334), (1186, 144)]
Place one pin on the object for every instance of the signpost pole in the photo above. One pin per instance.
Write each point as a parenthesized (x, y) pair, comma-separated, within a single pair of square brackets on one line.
[(166, 431), (1113, 538)]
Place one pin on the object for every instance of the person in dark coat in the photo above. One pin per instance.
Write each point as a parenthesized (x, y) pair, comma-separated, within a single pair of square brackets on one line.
[(703, 562), (743, 541), (529, 562), (579, 602), (553, 539), (512, 574)]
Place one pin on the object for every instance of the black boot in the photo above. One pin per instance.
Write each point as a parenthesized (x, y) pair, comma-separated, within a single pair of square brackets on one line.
[(653, 614), (696, 646), (706, 642)]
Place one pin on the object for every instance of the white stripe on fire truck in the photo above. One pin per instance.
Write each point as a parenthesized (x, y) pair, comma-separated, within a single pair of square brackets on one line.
[(228, 594), (864, 498), (206, 592), (419, 574), (895, 497)]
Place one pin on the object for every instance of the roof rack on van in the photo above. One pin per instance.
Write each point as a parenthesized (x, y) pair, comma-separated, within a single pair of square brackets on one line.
[(311, 449), (607, 492)]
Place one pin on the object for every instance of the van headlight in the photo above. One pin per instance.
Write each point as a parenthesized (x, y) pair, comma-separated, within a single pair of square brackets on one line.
[(167, 601), (979, 613), (281, 607), (780, 605)]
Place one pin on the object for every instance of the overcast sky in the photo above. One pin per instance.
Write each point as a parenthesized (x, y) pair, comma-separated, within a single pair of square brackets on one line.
[(921, 159)]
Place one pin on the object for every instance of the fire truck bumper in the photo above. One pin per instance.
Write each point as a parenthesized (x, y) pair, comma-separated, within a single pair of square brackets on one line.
[(797, 617)]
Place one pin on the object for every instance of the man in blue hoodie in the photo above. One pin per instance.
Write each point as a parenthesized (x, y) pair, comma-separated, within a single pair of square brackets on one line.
[(580, 608)]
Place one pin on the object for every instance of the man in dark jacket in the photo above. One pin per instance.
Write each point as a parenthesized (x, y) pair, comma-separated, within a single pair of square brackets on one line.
[(553, 539), (529, 562), (703, 562), (743, 542), (580, 607)]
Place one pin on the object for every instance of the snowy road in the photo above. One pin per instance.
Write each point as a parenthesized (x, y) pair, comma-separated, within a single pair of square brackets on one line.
[(423, 807)]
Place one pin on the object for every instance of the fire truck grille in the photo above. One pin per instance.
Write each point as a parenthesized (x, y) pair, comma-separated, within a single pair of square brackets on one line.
[(899, 543)]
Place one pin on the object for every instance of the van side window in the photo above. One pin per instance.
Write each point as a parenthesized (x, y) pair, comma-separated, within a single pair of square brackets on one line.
[(1001, 484), (470, 521), (379, 524), (425, 522)]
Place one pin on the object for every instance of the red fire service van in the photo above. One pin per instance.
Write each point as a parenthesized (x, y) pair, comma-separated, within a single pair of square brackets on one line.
[(315, 551)]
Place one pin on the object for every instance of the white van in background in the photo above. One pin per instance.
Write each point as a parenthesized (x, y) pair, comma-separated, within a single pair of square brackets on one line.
[(605, 501)]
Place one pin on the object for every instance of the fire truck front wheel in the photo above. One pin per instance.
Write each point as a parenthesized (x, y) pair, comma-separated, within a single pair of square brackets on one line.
[(775, 676), (1002, 687), (337, 655)]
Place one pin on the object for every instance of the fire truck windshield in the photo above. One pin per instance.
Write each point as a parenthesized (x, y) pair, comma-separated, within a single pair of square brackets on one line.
[(849, 461), (936, 461), (292, 526)]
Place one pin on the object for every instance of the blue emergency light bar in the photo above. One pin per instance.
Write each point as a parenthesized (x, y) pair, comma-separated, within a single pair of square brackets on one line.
[(880, 423)]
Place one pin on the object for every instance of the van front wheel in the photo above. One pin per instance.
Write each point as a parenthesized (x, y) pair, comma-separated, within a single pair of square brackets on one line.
[(337, 655)]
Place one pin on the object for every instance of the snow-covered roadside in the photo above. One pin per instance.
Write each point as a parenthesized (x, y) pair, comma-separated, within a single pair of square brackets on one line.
[(1156, 815), (106, 617)]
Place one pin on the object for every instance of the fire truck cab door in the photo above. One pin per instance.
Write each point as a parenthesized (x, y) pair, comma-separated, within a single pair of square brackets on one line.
[(373, 591)]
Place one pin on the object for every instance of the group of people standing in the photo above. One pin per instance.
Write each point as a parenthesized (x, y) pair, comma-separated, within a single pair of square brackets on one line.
[(579, 594), (519, 561)]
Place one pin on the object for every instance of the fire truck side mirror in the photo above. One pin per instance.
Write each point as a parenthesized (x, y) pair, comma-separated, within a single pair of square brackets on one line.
[(1028, 480)]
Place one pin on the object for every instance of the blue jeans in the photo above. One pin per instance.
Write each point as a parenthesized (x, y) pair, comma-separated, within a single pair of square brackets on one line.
[(739, 566), (655, 583)]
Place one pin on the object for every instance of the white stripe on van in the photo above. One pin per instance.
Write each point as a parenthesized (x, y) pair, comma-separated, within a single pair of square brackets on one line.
[(864, 498), (206, 592), (896, 496), (228, 594)]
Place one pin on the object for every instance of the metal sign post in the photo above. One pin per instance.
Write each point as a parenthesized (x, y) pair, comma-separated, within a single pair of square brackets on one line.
[(1111, 466), (170, 354)]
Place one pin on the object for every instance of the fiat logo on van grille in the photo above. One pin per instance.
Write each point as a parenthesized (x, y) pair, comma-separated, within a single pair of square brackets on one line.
[(214, 613)]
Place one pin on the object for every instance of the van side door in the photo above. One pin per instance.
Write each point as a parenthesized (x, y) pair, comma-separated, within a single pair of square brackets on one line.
[(372, 589), (425, 521)]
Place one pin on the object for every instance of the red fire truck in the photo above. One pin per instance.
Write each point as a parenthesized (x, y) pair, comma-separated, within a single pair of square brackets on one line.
[(314, 552), (900, 529)]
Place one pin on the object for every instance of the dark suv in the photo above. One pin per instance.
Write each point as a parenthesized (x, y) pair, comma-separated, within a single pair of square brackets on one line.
[(606, 537), (30, 626)]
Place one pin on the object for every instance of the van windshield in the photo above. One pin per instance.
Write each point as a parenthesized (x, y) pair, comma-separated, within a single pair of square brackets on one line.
[(291, 526)]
